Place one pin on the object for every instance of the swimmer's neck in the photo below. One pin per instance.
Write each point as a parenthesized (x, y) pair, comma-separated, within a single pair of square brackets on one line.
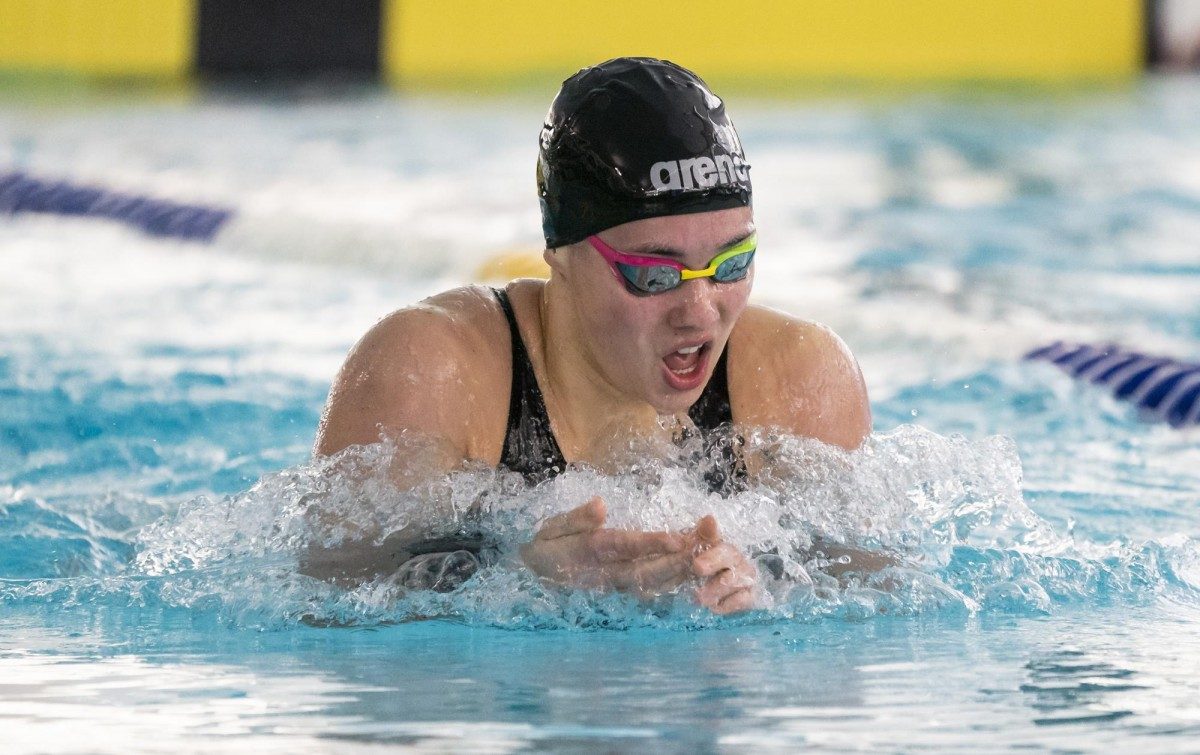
[(585, 405)]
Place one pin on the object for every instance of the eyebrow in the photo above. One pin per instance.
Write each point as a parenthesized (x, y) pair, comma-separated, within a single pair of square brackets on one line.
[(676, 254)]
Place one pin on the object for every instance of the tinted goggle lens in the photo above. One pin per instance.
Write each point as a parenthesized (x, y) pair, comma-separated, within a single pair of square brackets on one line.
[(644, 275), (734, 268), (655, 279), (651, 279)]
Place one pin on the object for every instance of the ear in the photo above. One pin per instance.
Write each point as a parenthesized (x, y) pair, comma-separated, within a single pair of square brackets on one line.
[(556, 259)]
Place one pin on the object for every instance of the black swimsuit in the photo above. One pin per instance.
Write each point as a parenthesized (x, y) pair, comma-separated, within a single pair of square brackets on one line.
[(531, 449), (444, 563)]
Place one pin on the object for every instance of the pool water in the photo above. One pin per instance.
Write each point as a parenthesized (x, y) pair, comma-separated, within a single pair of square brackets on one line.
[(158, 402)]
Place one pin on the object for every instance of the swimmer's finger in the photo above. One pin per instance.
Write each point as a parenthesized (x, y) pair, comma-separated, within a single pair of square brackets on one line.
[(626, 545), (707, 531), (718, 557), (742, 600), (654, 576), (723, 585), (585, 518)]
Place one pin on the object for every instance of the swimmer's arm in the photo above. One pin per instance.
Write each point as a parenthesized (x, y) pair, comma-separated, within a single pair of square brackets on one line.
[(809, 384), (799, 378), (843, 561), (403, 376), (358, 559), (407, 374)]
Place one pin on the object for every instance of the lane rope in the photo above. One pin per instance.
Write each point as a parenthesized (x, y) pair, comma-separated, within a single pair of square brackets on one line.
[(21, 193), (1162, 388)]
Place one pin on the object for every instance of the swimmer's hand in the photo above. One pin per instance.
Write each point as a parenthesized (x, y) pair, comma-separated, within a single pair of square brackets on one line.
[(576, 549), (730, 580)]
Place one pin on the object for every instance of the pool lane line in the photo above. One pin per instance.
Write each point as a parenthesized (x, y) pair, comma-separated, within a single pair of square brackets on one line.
[(1162, 388), (22, 193)]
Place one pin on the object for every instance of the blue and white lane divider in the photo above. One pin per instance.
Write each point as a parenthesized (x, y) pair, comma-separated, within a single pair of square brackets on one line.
[(287, 235), (1162, 388), (20, 192)]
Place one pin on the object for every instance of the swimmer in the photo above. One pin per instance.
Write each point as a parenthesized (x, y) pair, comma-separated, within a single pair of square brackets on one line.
[(643, 328)]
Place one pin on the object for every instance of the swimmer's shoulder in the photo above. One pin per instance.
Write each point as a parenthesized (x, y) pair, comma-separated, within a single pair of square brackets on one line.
[(440, 367), (796, 375)]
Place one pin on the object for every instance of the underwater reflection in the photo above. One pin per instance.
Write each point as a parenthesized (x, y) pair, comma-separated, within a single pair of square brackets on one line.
[(1067, 686)]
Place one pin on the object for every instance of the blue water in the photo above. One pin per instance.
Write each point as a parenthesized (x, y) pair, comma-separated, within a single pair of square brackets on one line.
[(158, 403)]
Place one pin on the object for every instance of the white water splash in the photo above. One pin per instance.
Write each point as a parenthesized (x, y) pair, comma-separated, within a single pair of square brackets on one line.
[(948, 511)]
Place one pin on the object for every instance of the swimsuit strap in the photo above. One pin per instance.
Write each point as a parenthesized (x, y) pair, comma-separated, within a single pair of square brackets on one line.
[(531, 449), (713, 416), (529, 444), (712, 409)]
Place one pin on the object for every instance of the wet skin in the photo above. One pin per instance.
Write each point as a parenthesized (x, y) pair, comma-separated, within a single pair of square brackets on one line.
[(607, 365)]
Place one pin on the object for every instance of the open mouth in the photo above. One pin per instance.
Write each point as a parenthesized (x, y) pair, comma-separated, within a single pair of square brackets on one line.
[(685, 366)]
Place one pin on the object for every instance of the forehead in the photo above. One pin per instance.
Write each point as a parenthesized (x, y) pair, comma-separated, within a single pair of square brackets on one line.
[(701, 233)]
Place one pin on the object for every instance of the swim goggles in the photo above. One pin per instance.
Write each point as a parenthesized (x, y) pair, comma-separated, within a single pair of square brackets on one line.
[(655, 275)]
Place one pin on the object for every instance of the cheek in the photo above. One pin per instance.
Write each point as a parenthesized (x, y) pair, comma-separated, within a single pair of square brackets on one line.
[(623, 333), (734, 298), (624, 329)]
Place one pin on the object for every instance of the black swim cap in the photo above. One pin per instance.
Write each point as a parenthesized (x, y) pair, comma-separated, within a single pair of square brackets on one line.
[(635, 138)]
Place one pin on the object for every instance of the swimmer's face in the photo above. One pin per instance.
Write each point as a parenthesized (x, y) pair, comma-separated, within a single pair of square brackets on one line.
[(634, 342)]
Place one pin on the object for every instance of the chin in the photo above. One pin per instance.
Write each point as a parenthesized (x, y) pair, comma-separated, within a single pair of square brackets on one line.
[(667, 401), (665, 408)]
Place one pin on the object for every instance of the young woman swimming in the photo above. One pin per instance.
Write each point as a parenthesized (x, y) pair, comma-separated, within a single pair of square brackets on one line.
[(642, 329)]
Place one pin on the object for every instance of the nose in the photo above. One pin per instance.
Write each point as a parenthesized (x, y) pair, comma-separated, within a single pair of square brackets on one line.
[(696, 306)]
